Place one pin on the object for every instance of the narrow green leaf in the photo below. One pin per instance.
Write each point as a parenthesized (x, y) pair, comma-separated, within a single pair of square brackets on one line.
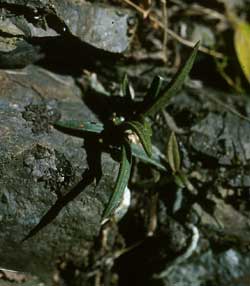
[(153, 91), (121, 181), (143, 130), (182, 181), (80, 126), (179, 181), (175, 84), (173, 153), (126, 88), (154, 160)]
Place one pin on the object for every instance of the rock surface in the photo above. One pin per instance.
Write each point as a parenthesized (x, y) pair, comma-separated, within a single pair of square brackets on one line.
[(215, 154), (214, 147), (109, 29), (43, 169), (227, 268)]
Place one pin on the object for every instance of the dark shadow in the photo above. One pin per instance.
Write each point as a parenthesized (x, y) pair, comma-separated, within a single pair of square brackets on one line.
[(87, 179), (68, 55), (105, 106), (94, 173), (94, 152), (92, 146), (64, 54)]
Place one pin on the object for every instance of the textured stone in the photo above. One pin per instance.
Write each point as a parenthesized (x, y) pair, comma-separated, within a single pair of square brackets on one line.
[(43, 169), (104, 27)]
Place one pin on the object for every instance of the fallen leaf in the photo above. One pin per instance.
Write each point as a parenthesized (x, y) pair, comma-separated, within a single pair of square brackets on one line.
[(242, 46)]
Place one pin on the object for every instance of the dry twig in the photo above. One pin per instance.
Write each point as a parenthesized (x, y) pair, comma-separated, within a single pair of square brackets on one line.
[(146, 14), (165, 24)]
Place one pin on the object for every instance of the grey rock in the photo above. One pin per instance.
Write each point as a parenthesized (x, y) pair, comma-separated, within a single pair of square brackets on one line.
[(104, 27), (227, 268), (34, 4), (42, 169), (22, 55), (204, 34), (236, 4), (223, 137), (226, 219), (239, 178), (216, 132), (8, 27)]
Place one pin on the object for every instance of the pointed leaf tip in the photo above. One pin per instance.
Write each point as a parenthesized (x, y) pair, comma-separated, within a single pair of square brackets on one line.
[(77, 125), (173, 153), (121, 181), (174, 86)]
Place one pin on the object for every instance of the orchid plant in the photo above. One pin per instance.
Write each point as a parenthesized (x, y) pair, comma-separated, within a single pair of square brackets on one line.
[(137, 124)]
